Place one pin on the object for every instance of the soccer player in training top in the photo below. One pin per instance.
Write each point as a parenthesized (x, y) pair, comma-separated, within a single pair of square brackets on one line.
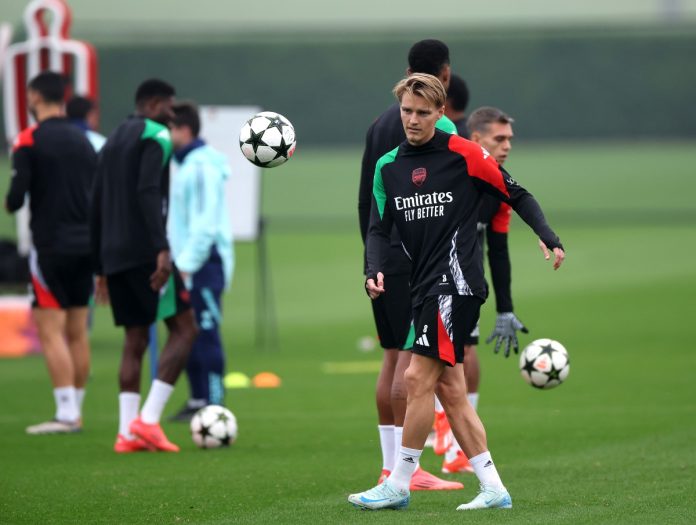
[(128, 218), (430, 188), (201, 239), (84, 114), (54, 164), (392, 312), (492, 129)]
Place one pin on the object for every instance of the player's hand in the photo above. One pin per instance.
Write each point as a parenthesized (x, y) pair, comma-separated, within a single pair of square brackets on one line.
[(162, 272), (506, 326), (375, 289), (558, 253), (101, 292)]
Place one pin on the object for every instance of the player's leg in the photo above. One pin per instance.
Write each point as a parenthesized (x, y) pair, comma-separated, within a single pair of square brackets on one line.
[(78, 344), (182, 332), (460, 315), (421, 377), (385, 416), (50, 323), (383, 313), (205, 365), (455, 459)]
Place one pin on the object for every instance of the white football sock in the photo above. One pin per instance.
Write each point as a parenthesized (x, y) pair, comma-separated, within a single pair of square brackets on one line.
[(473, 398), (398, 434), (156, 400), (438, 405), (196, 403), (80, 397), (386, 442), (128, 404), (485, 470), (66, 404), (406, 465)]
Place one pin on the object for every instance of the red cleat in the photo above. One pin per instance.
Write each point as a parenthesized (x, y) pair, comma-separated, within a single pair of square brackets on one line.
[(153, 435), (423, 480), (384, 475), (459, 464), (124, 445), (443, 434)]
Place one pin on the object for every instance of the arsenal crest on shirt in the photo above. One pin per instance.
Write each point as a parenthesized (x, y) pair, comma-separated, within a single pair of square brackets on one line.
[(418, 176)]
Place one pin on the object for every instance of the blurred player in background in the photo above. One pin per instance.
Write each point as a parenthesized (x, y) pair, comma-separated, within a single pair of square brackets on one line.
[(492, 129), (392, 311), (457, 101), (201, 240), (85, 115), (134, 267), (54, 164), (429, 187)]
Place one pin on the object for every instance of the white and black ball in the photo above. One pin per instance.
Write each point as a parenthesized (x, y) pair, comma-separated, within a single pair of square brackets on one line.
[(544, 363), (214, 426), (267, 139)]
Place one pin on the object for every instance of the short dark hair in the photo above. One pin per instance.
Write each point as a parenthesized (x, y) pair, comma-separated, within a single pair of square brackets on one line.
[(481, 117), (186, 114), (50, 85), (78, 107), (153, 88), (428, 56), (458, 93)]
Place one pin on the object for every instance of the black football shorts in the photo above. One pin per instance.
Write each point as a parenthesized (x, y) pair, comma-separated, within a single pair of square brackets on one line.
[(135, 303), (443, 324), (393, 313), (61, 281)]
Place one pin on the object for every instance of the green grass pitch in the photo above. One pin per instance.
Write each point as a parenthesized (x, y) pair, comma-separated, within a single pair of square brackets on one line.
[(615, 444)]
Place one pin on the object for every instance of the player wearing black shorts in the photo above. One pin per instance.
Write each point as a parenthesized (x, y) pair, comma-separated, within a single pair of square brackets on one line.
[(429, 187), (128, 218), (53, 164), (392, 312)]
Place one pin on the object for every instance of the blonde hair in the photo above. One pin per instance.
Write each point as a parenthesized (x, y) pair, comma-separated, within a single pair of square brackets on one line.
[(422, 85)]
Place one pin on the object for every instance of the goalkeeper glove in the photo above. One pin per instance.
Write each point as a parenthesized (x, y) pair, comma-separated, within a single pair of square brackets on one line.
[(505, 331)]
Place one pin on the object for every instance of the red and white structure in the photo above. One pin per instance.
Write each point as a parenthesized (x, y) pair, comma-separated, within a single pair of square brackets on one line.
[(48, 47)]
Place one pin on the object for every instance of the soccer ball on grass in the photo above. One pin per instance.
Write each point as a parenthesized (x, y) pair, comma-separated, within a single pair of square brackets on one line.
[(267, 139), (544, 363), (213, 426)]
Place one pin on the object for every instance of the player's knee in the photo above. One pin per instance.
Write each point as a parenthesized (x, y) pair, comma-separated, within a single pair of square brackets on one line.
[(415, 384), (450, 392)]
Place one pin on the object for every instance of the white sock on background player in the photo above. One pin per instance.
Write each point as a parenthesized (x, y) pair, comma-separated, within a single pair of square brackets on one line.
[(386, 441), (485, 470), (80, 397), (128, 405), (406, 465), (473, 398), (66, 404), (156, 400)]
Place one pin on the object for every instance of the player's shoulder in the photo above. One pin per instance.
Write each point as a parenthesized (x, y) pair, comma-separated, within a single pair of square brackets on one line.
[(445, 124), (467, 148), (155, 130), (25, 138)]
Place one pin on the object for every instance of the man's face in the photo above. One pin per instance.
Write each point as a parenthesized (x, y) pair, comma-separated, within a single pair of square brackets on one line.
[(497, 139), (160, 109), (418, 117)]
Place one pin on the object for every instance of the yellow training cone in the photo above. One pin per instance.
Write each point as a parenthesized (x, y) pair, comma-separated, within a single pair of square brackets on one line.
[(237, 380)]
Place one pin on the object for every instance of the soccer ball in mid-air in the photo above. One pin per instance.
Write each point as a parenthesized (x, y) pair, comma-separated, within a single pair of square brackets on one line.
[(267, 139), (213, 426), (544, 363)]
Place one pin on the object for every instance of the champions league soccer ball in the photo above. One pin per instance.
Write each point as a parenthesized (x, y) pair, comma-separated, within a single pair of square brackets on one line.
[(267, 139), (544, 363), (213, 426)]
